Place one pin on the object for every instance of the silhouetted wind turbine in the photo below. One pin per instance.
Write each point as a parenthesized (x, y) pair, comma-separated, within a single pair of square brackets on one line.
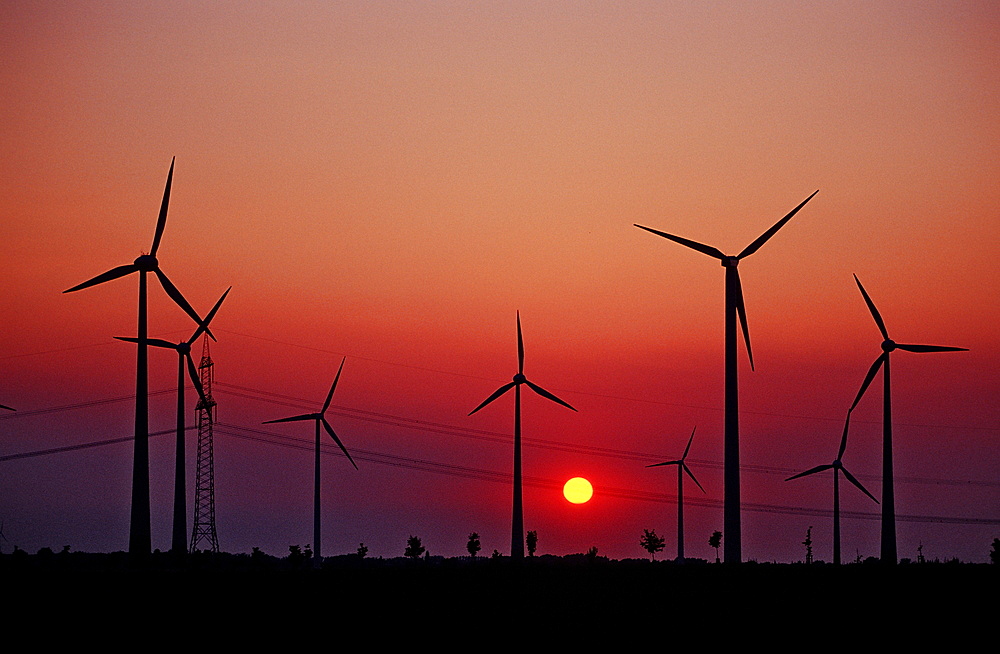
[(139, 534), (320, 419), (681, 469), (734, 306), (517, 520), (838, 467), (888, 551), (179, 540)]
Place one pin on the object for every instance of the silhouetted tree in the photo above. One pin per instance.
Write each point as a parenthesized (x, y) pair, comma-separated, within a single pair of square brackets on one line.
[(716, 542), (532, 542), (362, 550), (474, 545), (413, 548), (295, 556), (651, 542), (496, 554), (995, 552), (920, 553), (592, 553), (307, 552), (808, 542)]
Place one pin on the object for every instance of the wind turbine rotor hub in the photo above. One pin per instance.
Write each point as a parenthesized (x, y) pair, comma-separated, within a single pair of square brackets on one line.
[(730, 262), (146, 263), (184, 348), (837, 464), (519, 378), (888, 345)]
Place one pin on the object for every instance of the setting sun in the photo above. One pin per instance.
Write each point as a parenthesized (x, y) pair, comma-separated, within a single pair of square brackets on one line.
[(578, 490)]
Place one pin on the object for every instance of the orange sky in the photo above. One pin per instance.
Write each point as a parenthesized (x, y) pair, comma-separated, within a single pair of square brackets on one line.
[(391, 181)]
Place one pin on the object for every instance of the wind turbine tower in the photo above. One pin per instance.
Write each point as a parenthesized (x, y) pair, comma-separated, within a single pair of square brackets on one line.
[(204, 490)]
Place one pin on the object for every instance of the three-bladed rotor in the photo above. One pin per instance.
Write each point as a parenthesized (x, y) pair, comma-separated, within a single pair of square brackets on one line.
[(519, 378), (681, 462), (148, 262), (320, 417), (729, 261), (183, 348), (889, 345)]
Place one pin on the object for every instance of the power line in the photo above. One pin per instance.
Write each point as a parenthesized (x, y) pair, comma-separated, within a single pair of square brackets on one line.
[(540, 482), (464, 432), (423, 465)]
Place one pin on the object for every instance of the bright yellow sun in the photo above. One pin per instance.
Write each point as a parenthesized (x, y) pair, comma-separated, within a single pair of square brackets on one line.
[(578, 490)]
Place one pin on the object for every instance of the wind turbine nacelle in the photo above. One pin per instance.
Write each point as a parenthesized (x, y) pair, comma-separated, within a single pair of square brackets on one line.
[(146, 263), (520, 378), (888, 345), (730, 262)]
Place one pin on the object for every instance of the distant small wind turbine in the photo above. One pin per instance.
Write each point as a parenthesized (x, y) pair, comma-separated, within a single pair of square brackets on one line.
[(179, 539), (681, 469), (888, 550), (139, 530), (734, 306), (320, 419), (517, 520), (838, 467)]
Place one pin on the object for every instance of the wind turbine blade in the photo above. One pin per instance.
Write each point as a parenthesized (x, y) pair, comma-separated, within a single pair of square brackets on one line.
[(868, 378), (742, 311), (544, 393), (195, 379), (176, 296), (694, 245), (857, 483), (520, 347), (665, 463), (691, 475), (208, 319), (500, 391), (843, 440), (4, 406), (305, 416), (688, 448), (763, 238), (811, 471), (162, 220), (155, 342), (114, 273), (330, 431), (329, 397), (871, 307), (929, 348)]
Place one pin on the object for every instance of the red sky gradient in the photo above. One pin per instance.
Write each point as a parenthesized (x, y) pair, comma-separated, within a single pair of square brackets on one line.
[(392, 181)]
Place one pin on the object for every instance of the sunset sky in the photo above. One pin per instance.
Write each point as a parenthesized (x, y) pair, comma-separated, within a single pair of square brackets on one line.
[(392, 181)]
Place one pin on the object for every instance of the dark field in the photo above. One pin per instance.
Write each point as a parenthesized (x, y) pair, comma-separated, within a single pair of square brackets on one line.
[(238, 598)]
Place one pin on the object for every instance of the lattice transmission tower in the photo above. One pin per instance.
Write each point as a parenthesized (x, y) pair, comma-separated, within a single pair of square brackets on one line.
[(204, 490)]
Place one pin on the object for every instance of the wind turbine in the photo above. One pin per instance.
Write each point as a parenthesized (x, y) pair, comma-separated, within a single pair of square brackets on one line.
[(681, 469), (734, 306), (320, 418), (838, 467), (179, 540), (517, 520), (888, 551), (139, 534)]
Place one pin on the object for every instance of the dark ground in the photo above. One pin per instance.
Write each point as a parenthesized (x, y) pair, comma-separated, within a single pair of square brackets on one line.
[(240, 599)]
